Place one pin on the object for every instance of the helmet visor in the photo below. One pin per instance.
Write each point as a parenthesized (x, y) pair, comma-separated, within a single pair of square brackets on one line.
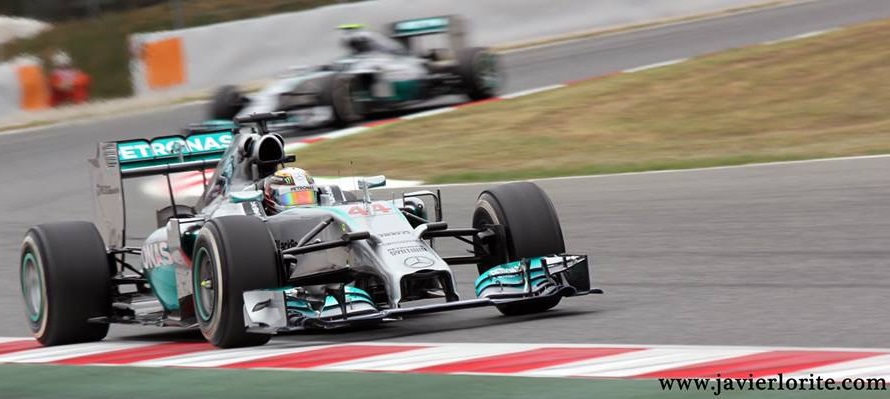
[(297, 197)]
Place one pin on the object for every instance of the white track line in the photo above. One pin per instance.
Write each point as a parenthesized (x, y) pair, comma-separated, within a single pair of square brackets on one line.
[(55, 353), (532, 91), (291, 147), (800, 36), (427, 357), (862, 368), (431, 112), (219, 358), (655, 65), (641, 362), (345, 132)]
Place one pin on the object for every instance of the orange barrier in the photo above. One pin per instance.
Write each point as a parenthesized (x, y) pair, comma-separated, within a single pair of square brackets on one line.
[(33, 87), (164, 63)]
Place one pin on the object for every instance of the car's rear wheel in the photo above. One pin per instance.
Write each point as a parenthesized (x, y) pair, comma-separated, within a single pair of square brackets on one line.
[(531, 229), (227, 102), (66, 280), (233, 254), (480, 72)]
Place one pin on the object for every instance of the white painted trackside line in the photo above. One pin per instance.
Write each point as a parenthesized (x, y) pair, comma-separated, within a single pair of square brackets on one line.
[(862, 368), (532, 91), (800, 36), (345, 132), (427, 357), (813, 34), (431, 112), (54, 353), (223, 357), (655, 65), (291, 147), (641, 362)]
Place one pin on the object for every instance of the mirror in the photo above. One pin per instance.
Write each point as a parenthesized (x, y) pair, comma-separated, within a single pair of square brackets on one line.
[(371, 182)]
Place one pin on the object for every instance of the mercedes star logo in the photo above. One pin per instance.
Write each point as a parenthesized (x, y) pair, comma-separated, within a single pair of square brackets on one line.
[(418, 261)]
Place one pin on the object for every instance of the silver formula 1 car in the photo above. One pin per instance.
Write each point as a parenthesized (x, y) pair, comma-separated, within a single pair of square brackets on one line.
[(240, 275), (380, 73)]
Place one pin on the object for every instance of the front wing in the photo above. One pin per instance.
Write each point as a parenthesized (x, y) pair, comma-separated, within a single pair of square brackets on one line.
[(543, 279)]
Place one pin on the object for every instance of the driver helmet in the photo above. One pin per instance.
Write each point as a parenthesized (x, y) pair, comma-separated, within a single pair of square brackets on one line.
[(289, 188), (61, 59), (356, 38)]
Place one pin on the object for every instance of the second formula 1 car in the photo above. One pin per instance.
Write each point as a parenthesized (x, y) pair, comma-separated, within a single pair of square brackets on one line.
[(379, 73)]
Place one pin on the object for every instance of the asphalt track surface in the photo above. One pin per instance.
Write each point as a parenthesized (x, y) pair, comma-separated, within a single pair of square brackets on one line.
[(771, 255)]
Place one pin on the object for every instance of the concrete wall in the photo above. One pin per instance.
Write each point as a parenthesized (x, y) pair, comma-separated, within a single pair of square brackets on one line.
[(261, 48)]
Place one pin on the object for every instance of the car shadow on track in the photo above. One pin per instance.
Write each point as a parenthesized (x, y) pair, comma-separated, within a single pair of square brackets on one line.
[(409, 328)]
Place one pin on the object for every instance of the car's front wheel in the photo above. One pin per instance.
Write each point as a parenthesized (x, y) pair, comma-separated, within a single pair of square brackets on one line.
[(531, 227), (342, 92), (233, 254), (480, 72)]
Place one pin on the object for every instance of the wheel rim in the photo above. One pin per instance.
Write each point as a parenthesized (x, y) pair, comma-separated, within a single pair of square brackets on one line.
[(487, 71), (205, 285), (32, 287), (481, 218)]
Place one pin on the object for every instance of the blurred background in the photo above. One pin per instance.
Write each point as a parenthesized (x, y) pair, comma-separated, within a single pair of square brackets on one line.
[(94, 32), (180, 10)]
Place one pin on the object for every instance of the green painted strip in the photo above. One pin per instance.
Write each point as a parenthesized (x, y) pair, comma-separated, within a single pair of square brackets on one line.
[(75, 382)]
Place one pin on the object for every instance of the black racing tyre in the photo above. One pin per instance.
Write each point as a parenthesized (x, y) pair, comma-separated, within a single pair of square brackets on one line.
[(166, 213), (480, 72), (529, 218), (532, 229), (232, 254), (227, 102), (65, 274), (340, 92)]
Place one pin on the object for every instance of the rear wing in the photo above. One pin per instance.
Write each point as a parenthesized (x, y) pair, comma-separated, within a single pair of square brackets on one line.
[(452, 25), (170, 154), (116, 161)]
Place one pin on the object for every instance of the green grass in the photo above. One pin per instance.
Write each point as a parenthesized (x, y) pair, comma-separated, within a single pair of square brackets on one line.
[(813, 98), (99, 46), (73, 382)]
